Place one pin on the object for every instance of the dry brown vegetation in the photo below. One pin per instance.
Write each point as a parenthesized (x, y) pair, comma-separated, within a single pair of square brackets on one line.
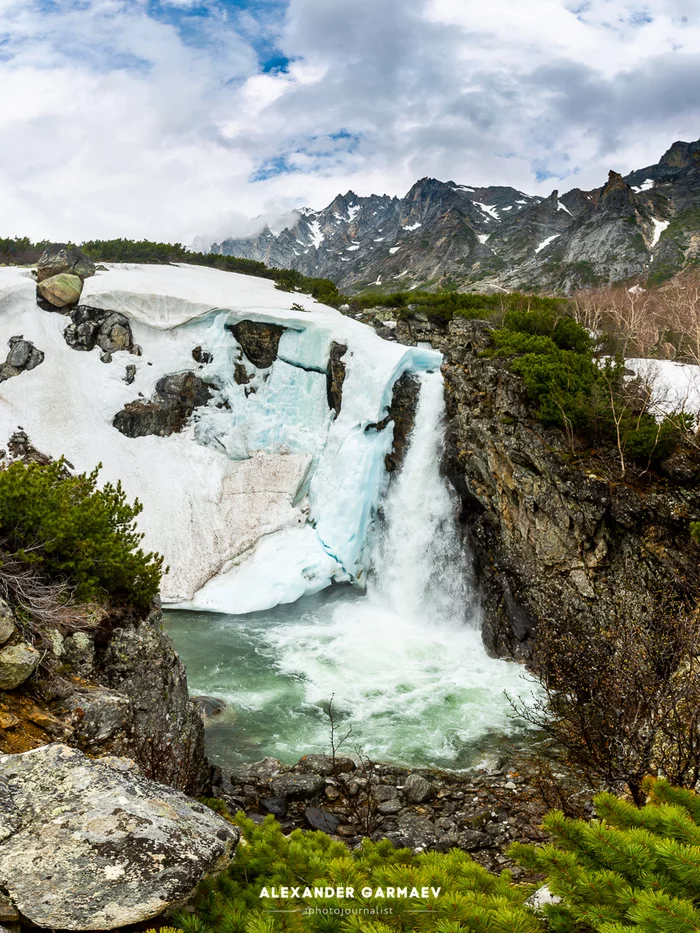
[(662, 323)]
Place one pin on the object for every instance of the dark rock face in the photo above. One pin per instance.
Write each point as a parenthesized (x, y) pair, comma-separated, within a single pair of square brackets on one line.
[(241, 376), (23, 357), (553, 537), (402, 412), (92, 327), (166, 733), (259, 342), (167, 412), (93, 845), (60, 258), (336, 376)]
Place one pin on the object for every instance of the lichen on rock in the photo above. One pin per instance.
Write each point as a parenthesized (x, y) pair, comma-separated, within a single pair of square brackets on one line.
[(90, 845)]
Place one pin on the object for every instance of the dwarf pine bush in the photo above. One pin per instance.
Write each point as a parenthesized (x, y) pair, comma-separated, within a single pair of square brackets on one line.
[(470, 898), (69, 529), (629, 869)]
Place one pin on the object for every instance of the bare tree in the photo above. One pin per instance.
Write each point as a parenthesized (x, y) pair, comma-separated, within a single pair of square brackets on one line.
[(633, 707)]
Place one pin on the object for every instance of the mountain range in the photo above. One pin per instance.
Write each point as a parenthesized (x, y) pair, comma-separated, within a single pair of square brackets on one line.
[(644, 227)]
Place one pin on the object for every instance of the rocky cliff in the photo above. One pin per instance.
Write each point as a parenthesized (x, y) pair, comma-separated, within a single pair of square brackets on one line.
[(109, 685), (645, 225), (554, 536)]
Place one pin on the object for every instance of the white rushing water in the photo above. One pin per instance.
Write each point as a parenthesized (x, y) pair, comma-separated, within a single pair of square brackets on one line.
[(404, 662)]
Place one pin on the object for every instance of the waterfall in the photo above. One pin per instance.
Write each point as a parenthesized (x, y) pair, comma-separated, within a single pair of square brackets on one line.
[(404, 660), (420, 567)]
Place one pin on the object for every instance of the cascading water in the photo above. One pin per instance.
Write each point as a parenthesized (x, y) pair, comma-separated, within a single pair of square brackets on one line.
[(404, 661), (420, 569)]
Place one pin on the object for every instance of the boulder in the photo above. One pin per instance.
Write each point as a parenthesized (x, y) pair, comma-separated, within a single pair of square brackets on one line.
[(23, 356), (93, 327), (97, 714), (7, 622), (201, 356), (17, 663), (324, 764), (60, 258), (277, 806), (86, 845), (417, 789), (298, 786), (322, 820), (61, 290), (413, 832), (259, 342), (258, 772), (168, 411)]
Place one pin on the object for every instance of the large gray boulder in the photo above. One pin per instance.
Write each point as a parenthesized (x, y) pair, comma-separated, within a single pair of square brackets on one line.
[(23, 356), (59, 258), (168, 411), (87, 844)]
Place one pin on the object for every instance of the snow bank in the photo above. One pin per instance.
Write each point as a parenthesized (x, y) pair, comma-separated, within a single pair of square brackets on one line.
[(264, 497), (675, 386)]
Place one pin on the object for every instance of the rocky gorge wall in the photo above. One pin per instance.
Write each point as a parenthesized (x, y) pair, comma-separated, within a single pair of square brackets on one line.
[(553, 536), (117, 689)]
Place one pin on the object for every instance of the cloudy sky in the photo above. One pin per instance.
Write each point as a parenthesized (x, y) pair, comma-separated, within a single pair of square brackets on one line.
[(173, 118)]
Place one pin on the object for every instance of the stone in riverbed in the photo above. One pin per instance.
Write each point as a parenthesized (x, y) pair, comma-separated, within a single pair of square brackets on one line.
[(87, 846), (17, 663), (209, 706), (417, 789), (298, 786), (322, 820)]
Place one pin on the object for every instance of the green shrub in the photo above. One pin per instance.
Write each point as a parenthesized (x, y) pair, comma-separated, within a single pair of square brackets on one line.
[(572, 389), (470, 899), (630, 869), (71, 530)]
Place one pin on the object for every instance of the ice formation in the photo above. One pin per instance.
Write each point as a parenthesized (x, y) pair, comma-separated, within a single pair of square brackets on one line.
[(258, 501)]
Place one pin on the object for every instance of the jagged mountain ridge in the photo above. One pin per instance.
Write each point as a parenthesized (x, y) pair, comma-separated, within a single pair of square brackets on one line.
[(643, 226)]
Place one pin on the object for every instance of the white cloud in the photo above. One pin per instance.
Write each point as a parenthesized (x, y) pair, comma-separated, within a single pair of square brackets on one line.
[(115, 123)]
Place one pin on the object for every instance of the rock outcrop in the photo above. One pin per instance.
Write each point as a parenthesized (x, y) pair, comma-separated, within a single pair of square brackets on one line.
[(259, 342), (114, 687), (92, 845), (336, 376), (23, 357), (168, 411), (92, 327), (555, 536)]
